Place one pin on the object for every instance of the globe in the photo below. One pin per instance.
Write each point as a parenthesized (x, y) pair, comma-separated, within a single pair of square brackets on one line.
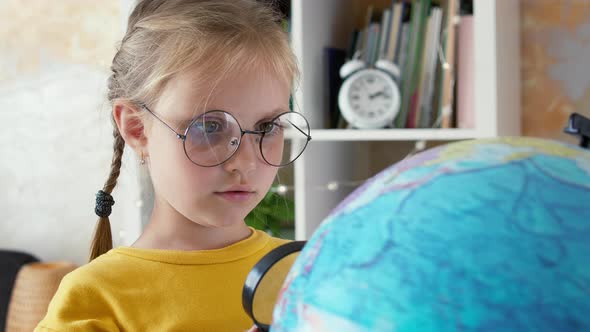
[(479, 235)]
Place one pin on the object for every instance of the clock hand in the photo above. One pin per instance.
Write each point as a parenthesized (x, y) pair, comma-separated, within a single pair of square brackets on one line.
[(380, 93)]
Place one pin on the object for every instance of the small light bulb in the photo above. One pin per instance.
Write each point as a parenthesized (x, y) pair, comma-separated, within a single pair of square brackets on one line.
[(333, 186), (420, 145), (282, 189)]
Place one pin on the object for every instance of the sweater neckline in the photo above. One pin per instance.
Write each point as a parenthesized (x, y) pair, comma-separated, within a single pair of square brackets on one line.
[(236, 251)]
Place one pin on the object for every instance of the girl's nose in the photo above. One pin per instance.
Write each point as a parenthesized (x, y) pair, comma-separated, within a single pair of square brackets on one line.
[(247, 157)]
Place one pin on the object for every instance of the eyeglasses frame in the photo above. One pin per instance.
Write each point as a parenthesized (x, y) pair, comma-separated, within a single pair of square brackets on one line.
[(262, 133)]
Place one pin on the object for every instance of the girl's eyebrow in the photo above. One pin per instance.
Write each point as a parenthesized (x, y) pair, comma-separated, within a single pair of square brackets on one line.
[(270, 115), (275, 113)]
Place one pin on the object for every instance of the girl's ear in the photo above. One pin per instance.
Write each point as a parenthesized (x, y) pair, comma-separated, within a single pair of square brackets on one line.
[(130, 124)]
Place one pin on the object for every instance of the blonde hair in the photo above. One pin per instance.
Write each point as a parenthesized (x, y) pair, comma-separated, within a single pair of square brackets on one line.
[(167, 37)]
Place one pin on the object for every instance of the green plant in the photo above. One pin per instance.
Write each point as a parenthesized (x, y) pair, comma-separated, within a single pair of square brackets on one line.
[(271, 212)]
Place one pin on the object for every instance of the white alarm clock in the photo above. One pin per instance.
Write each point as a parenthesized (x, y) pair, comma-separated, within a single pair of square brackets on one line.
[(369, 98)]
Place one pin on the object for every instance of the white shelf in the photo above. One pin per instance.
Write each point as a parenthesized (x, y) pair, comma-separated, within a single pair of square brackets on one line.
[(393, 134), (345, 154)]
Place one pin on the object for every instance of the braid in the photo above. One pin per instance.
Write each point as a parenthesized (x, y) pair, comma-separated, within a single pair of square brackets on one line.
[(103, 240), (118, 147)]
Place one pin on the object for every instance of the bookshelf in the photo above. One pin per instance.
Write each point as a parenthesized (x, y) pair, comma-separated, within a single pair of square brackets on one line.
[(350, 154), (344, 135)]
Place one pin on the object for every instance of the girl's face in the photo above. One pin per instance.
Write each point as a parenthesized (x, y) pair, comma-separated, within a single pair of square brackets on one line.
[(223, 195)]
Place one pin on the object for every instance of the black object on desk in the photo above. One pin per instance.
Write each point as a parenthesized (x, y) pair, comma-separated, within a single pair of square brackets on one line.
[(579, 125), (10, 263)]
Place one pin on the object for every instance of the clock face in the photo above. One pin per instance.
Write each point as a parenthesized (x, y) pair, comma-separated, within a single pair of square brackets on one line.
[(369, 98), (371, 95)]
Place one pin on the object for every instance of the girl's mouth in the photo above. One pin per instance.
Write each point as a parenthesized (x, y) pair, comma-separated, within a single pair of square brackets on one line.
[(236, 196)]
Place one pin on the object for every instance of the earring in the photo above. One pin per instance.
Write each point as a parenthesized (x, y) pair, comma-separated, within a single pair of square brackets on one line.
[(142, 161)]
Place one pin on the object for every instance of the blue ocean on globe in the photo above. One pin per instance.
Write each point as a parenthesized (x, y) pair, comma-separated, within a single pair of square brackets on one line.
[(480, 235)]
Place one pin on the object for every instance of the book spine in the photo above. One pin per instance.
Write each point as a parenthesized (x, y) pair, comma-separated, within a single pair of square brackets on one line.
[(394, 31), (416, 69), (426, 105), (403, 45), (373, 43), (448, 68), (334, 58), (402, 33), (385, 31), (400, 121), (465, 77), (366, 35)]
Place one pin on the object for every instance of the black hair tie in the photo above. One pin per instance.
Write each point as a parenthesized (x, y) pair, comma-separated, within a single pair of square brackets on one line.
[(104, 202)]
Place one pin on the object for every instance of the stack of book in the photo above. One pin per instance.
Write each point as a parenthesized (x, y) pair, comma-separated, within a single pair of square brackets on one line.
[(431, 42)]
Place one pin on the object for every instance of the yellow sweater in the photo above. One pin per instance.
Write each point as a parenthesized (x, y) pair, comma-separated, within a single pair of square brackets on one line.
[(129, 289)]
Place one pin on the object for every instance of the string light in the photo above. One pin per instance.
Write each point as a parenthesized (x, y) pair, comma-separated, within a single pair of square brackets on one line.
[(446, 66), (419, 146), (334, 186), (282, 189)]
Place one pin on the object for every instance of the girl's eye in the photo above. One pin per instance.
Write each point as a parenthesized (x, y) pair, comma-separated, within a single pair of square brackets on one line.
[(270, 127), (266, 126), (208, 127)]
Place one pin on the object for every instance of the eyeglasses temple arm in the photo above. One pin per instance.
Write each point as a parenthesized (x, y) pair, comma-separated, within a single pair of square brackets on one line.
[(164, 122), (301, 131)]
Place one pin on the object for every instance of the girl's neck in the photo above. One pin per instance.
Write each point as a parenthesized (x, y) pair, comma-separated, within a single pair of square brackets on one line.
[(169, 230)]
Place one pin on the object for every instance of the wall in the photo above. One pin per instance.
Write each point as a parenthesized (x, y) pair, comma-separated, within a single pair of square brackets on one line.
[(55, 131), (555, 62)]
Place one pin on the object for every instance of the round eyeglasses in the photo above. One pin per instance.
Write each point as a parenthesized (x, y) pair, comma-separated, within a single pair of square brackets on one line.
[(214, 137)]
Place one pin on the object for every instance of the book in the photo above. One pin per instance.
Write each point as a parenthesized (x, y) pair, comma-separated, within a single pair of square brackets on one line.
[(424, 113), (403, 45), (402, 32), (445, 113), (465, 76), (334, 58), (394, 27), (353, 44), (400, 120), (410, 92), (360, 45), (375, 30), (385, 31), (413, 121), (364, 47)]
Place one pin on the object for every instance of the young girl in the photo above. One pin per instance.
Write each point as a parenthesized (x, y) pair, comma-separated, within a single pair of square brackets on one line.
[(200, 91)]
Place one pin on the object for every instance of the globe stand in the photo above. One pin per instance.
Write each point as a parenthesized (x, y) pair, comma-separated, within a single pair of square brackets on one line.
[(580, 126)]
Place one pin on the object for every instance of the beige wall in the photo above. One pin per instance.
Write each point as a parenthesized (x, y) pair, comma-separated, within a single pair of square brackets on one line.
[(55, 133), (555, 52)]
